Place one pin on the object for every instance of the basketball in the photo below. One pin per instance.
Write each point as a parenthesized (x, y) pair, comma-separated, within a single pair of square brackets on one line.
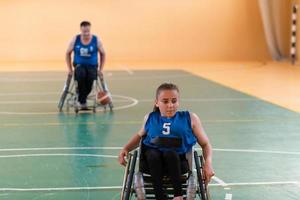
[(103, 98)]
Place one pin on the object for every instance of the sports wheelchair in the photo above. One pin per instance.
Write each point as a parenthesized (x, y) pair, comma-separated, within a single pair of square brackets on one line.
[(69, 96), (137, 180)]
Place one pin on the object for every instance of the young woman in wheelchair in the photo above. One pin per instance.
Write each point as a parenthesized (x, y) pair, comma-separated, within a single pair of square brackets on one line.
[(169, 134)]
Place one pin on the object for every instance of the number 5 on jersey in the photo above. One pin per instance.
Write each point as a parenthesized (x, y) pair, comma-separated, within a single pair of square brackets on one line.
[(166, 128)]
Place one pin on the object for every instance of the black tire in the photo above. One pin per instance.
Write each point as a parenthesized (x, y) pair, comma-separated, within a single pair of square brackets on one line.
[(126, 176), (62, 100), (201, 183), (65, 93), (130, 176)]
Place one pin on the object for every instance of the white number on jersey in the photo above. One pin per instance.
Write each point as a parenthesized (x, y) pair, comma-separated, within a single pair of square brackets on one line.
[(166, 128)]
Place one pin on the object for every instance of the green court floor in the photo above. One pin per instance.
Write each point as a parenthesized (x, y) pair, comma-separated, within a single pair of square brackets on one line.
[(49, 155)]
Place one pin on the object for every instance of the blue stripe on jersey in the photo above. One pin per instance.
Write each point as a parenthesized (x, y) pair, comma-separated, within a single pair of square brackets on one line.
[(178, 126), (86, 54)]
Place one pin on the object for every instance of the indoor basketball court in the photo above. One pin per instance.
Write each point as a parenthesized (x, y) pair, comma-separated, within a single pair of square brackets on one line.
[(230, 72)]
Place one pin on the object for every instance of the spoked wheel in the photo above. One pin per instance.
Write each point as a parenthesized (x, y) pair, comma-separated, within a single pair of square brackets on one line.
[(201, 183), (128, 180)]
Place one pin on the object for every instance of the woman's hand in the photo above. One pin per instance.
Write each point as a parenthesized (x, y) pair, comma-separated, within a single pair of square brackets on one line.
[(208, 172), (123, 153)]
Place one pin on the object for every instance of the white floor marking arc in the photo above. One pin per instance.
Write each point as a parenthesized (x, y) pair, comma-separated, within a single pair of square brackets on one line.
[(134, 102)]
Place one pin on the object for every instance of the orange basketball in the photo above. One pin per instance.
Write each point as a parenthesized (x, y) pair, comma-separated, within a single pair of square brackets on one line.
[(103, 98)]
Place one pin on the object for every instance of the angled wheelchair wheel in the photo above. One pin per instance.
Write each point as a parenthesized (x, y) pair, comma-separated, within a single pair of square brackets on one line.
[(201, 183), (111, 106), (65, 93), (127, 190)]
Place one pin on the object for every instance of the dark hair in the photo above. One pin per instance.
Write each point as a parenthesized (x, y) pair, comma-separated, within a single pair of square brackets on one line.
[(164, 86), (85, 23)]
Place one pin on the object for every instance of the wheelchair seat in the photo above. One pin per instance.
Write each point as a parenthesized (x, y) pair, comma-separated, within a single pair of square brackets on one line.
[(144, 168)]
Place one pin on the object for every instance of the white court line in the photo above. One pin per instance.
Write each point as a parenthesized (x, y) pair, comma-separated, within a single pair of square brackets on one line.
[(228, 196), (120, 187), (154, 77), (47, 102), (258, 183), (207, 99), (28, 102), (219, 181), (29, 93), (57, 154), (140, 100), (30, 80), (93, 123), (59, 189), (257, 151), (134, 102), (129, 71), (118, 148), (60, 148)]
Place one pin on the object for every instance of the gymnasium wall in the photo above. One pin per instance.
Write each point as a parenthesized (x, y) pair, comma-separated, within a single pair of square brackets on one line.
[(135, 30)]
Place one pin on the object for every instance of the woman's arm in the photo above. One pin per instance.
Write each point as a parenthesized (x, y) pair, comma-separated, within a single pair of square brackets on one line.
[(132, 144), (203, 141)]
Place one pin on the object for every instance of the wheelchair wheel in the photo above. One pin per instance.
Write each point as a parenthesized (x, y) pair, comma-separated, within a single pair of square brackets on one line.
[(201, 183), (125, 176), (65, 93), (76, 110), (128, 185), (110, 106)]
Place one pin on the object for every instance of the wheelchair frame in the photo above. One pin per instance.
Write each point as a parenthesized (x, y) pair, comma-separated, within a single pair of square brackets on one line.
[(69, 95), (130, 181)]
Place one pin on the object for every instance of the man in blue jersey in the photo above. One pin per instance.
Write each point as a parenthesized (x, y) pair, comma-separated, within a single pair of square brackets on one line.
[(86, 48)]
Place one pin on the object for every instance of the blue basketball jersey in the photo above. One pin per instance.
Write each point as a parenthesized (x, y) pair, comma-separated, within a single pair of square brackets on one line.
[(178, 126), (86, 54)]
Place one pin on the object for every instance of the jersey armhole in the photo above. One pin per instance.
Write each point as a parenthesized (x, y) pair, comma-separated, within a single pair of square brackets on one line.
[(190, 121)]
